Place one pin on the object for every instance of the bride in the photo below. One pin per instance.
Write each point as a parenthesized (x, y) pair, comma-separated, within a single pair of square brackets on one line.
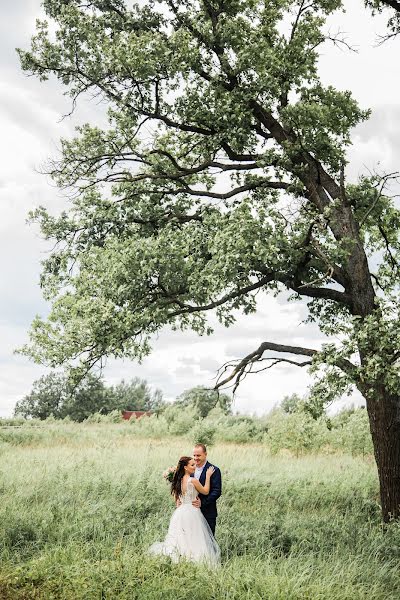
[(189, 535)]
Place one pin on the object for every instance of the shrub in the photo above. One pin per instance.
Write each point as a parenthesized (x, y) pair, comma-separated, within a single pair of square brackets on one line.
[(154, 426), (297, 432), (180, 418), (354, 435), (203, 433), (204, 400)]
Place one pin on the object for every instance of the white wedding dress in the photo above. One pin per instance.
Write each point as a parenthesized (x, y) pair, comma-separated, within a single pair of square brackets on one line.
[(189, 535)]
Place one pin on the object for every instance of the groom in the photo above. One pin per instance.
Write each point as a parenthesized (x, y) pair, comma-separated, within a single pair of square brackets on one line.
[(207, 504)]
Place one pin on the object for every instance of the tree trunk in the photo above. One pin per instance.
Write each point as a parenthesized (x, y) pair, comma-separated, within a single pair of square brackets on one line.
[(384, 418)]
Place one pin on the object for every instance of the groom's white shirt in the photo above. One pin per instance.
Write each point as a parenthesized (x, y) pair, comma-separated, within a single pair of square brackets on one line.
[(199, 471)]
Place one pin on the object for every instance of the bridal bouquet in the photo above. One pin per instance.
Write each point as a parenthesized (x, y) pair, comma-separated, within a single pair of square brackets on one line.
[(169, 474)]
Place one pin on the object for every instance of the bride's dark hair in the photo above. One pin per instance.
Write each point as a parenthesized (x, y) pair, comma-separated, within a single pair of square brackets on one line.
[(178, 475)]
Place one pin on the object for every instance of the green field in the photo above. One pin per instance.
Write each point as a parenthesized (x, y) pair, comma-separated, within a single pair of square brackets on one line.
[(80, 504)]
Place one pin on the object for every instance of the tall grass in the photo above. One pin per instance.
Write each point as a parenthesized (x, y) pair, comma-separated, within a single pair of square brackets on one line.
[(80, 505)]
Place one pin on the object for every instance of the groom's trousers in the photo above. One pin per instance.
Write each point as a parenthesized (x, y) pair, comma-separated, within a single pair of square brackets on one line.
[(212, 523)]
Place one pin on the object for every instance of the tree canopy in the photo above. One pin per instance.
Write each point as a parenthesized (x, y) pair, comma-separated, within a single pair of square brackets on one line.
[(232, 102), (204, 400), (221, 174), (394, 10), (55, 395)]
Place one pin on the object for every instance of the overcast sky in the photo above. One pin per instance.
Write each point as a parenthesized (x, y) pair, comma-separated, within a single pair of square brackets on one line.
[(30, 124)]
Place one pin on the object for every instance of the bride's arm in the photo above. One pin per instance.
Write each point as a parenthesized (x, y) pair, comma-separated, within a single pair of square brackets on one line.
[(203, 489)]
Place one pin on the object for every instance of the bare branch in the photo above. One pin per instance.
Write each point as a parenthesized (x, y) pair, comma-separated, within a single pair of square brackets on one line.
[(245, 365), (240, 370)]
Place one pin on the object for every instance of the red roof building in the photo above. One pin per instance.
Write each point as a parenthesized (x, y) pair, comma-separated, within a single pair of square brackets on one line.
[(136, 414)]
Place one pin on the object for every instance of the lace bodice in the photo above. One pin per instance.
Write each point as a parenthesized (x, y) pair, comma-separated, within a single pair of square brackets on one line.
[(190, 494)]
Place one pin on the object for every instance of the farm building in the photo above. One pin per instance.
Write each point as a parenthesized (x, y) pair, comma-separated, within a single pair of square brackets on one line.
[(136, 414)]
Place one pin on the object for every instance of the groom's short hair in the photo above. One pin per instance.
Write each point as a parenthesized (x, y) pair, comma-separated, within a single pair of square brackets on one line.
[(202, 446)]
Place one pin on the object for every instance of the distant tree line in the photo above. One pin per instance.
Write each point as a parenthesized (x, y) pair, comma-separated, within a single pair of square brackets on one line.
[(200, 414), (295, 426), (54, 395)]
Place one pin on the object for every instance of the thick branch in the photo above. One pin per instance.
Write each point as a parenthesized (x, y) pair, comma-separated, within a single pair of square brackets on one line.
[(240, 370), (274, 185), (312, 291), (188, 308), (205, 165), (321, 292), (247, 362)]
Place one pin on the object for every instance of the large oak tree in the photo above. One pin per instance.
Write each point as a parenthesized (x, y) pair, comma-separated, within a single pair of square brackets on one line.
[(221, 174)]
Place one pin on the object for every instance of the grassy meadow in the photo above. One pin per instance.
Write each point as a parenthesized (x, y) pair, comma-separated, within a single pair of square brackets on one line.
[(80, 504)]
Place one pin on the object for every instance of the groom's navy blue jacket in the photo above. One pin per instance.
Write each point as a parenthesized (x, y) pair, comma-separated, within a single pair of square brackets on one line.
[(209, 502)]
